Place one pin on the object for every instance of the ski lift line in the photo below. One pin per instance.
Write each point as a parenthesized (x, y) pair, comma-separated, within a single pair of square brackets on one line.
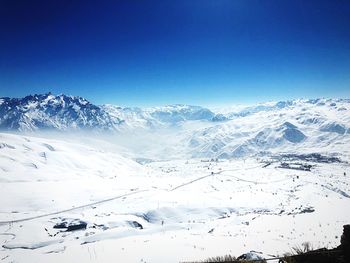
[(70, 209)]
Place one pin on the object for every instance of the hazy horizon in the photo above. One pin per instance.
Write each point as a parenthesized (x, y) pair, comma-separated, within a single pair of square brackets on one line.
[(213, 105)]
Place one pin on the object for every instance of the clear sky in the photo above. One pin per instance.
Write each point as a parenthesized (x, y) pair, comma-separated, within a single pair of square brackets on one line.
[(140, 53)]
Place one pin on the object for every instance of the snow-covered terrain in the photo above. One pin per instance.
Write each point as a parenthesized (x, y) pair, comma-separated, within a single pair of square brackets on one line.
[(50, 112), (46, 111), (160, 117), (301, 125), (171, 183)]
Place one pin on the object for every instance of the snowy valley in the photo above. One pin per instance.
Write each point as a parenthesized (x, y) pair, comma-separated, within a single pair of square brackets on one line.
[(107, 182)]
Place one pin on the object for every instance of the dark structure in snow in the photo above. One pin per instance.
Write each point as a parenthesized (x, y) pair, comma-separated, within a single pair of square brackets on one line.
[(71, 225)]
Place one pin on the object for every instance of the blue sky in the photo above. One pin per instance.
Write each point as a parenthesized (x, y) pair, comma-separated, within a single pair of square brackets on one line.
[(159, 52)]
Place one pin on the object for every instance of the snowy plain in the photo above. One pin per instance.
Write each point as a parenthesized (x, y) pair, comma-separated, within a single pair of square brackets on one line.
[(266, 179)]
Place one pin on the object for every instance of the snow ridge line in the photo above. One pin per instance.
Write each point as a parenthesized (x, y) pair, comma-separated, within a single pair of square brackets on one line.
[(71, 209)]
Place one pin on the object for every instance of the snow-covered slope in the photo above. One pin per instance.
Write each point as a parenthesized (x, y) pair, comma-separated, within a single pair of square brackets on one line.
[(300, 125), (133, 118), (150, 212), (194, 131), (46, 111), (177, 113), (291, 186), (161, 117), (25, 158)]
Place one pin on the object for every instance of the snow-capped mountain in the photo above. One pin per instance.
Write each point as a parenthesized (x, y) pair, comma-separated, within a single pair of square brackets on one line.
[(179, 112), (46, 111), (160, 117), (290, 126), (322, 124), (78, 192)]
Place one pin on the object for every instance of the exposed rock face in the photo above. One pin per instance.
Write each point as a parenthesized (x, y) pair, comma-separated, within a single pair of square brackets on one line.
[(345, 242)]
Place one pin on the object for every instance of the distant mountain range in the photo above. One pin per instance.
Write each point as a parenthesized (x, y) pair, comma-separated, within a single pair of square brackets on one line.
[(275, 126), (47, 111), (293, 126)]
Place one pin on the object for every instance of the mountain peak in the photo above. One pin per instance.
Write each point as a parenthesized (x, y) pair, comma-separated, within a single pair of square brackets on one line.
[(47, 111)]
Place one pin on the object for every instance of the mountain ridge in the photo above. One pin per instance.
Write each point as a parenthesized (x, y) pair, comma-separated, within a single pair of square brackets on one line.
[(63, 112), (191, 131), (47, 111)]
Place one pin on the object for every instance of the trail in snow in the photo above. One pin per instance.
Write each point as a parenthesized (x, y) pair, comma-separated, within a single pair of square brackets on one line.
[(255, 182), (213, 174), (70, 209)]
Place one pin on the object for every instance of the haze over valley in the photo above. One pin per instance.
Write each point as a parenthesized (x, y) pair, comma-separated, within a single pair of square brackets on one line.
[(265, 177)]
